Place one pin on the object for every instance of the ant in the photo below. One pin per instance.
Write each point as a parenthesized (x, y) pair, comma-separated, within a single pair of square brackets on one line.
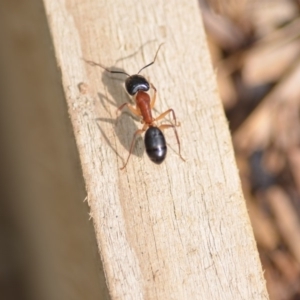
[(137, 87)]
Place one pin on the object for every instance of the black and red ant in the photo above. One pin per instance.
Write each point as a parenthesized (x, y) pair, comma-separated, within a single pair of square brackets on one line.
[(137, 86)]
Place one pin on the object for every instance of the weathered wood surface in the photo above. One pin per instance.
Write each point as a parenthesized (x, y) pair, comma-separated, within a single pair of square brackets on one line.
[(179, 230)]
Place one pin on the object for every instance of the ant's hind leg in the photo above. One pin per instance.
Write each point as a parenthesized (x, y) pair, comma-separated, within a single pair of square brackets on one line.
[(166, 126), (139, 131)]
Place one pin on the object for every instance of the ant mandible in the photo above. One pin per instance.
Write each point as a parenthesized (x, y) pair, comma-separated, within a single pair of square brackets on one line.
[(137, 86)]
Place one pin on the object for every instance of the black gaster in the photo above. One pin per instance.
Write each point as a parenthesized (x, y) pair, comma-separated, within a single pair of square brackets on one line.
[(136, 83), (155, 144)]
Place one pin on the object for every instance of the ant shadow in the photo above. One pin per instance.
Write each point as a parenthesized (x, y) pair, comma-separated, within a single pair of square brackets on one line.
[(123, 122)]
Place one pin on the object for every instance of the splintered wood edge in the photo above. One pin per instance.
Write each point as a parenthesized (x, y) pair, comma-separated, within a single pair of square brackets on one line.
[(174, 231)]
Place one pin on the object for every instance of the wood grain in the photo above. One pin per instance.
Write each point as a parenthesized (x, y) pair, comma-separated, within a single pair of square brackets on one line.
[(179, 230)]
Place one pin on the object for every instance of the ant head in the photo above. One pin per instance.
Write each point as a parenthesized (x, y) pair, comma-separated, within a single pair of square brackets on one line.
[(136, 83)]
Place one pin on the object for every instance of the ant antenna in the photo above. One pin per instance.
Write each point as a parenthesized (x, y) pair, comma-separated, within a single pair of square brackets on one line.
[(152, 61), (92, 63)]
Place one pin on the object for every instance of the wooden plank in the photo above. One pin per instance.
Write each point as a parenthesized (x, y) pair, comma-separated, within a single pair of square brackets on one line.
[(179, 230)]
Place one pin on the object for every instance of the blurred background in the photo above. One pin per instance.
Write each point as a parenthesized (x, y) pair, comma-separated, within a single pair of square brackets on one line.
[(255, 48), (48, 248)]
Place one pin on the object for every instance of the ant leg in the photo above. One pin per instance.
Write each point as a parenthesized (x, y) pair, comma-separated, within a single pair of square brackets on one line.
[(139, 131), (133, 109), (152, 103), (165, 126), (167, 112)]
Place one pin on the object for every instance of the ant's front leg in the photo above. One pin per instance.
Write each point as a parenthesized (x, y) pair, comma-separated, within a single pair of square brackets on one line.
[(133, 109), (152, 103)]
